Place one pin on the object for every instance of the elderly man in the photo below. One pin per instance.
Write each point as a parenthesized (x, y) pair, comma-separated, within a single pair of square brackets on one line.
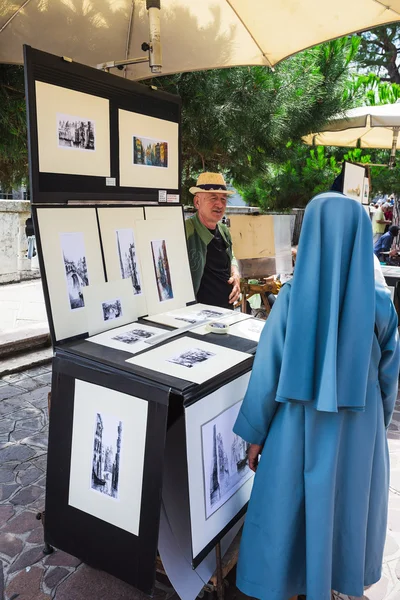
[(215, 274), (379, 221)]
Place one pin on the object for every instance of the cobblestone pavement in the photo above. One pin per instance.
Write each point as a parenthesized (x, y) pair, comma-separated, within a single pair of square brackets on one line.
[(28, 574)]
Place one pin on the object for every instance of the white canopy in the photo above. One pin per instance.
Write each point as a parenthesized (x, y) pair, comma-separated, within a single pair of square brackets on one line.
[(366, 126), (195, 34)]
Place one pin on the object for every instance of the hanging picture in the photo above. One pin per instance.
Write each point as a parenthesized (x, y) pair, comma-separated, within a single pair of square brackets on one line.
[(107, 455), (165, 266), (220, 480), (71, 252), (109, 305), (353, 181), (131, 338), (149, 151), (73, 131), (190, 359), (119, 235)]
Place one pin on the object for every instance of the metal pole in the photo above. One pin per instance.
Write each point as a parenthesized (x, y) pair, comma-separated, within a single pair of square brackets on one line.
[(220, 578), (392, 159)]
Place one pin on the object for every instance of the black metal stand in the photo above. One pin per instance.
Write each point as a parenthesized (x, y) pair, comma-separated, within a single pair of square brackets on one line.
[(47, 548), (219, 573)]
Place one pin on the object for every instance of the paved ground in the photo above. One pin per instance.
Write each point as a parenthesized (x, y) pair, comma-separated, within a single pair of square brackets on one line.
[(22, 304), (29, 575)]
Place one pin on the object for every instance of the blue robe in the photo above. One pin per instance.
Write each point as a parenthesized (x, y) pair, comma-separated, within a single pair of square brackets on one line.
[(317, 516)]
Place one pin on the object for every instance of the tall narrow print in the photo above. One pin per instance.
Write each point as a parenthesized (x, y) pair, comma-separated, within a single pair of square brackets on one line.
[(106, 455), (76, 133), (161, 268), (225, 465), (75, 265), (127, 258), (150, 153)]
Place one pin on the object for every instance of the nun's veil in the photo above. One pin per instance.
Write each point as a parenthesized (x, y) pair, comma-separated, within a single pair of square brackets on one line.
[(331, 313)]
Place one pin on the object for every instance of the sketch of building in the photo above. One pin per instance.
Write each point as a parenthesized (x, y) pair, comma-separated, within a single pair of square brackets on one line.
[(76, 133), (128, 259), (75, 265), (162, 271), (106, 455)]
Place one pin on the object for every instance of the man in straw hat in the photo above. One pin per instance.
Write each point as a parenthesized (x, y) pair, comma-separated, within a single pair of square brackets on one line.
[(215, 274)]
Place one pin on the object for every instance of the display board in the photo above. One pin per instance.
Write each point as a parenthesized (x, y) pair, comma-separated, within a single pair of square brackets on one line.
[(97, 136), (220, 480), (353, 181), (104, 481)]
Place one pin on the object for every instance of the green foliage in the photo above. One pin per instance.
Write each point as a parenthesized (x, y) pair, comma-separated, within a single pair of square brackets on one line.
[(13, 135), (378, 52)]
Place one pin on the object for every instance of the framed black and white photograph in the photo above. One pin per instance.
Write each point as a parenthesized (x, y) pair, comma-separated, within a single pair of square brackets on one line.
[(162, 270), (132, 338), (149, 151), (75, 264), (72, 256), (76, 133), (107, 455), (225, 465), (109, 305), (107, 443), (112, 309), (165, 265), (219, 478), (231, 318), (128, 260), (73, 131), (119, 235), (191, 315), (190, 359)]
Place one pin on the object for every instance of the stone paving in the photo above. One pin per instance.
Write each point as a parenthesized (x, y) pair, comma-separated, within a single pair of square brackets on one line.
[(27, 574), (22, 305)]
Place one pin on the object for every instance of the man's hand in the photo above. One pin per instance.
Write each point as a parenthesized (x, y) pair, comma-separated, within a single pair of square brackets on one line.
[(235, 282), (252, 454)]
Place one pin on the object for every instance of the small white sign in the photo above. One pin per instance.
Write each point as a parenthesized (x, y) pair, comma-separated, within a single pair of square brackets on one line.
[(162, 195), (111, 181), (172, 197)]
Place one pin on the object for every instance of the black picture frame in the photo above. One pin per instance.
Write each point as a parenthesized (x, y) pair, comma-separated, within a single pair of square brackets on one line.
[(129, 557), (121, 94)]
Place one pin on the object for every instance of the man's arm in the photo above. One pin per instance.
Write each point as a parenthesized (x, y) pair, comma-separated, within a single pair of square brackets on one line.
[(234, 281)]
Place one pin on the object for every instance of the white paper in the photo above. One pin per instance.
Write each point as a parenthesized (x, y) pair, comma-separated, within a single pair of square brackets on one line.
[(353, 184), (190, 315), (125, 418), (190, 359), (130, 338), (229, 319), (250, 329), (109, 305), (206, 522)]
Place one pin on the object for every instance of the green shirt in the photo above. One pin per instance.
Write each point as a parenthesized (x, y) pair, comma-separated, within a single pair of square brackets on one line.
[(198, 237)]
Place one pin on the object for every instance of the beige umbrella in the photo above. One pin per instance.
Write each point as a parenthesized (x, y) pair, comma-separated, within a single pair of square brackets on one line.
[(363, 127), (195, 34)]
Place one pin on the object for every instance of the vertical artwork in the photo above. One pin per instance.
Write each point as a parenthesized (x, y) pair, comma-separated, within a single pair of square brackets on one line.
[(161, 268), (224, 456), (191, 358), (128, 259), (150, 153), (76, 133), (111, 309), (106, 455), (75, 265)]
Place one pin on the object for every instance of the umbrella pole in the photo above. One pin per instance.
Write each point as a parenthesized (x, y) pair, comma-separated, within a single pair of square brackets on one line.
[(392, 159)]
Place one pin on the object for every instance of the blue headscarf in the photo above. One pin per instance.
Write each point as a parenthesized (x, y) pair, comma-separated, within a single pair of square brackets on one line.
[(331, 314)]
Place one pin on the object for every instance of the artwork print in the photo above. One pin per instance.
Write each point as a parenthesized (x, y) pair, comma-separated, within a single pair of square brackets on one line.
[(75, 265), (197, 317), (128, 259), (111, 309), (133, 336), (76, 133), (162, 271), (106, 455), (224, 456), (191, 358), (150, 153)]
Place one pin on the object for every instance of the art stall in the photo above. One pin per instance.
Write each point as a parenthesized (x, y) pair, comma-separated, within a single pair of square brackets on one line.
[(141, 458)]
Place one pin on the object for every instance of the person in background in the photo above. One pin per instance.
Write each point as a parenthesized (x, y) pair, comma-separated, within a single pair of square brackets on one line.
[(214, 269), (379, 222), (385, 242), (319, 401)]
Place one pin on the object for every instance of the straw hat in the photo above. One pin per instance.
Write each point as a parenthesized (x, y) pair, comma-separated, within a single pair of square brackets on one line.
[(210, 183)]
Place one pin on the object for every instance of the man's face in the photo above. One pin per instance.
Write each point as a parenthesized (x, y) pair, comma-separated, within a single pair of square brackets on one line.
[(211, 208)]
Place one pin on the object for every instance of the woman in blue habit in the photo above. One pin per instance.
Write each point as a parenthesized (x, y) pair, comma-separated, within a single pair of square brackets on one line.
[(320, 398)]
